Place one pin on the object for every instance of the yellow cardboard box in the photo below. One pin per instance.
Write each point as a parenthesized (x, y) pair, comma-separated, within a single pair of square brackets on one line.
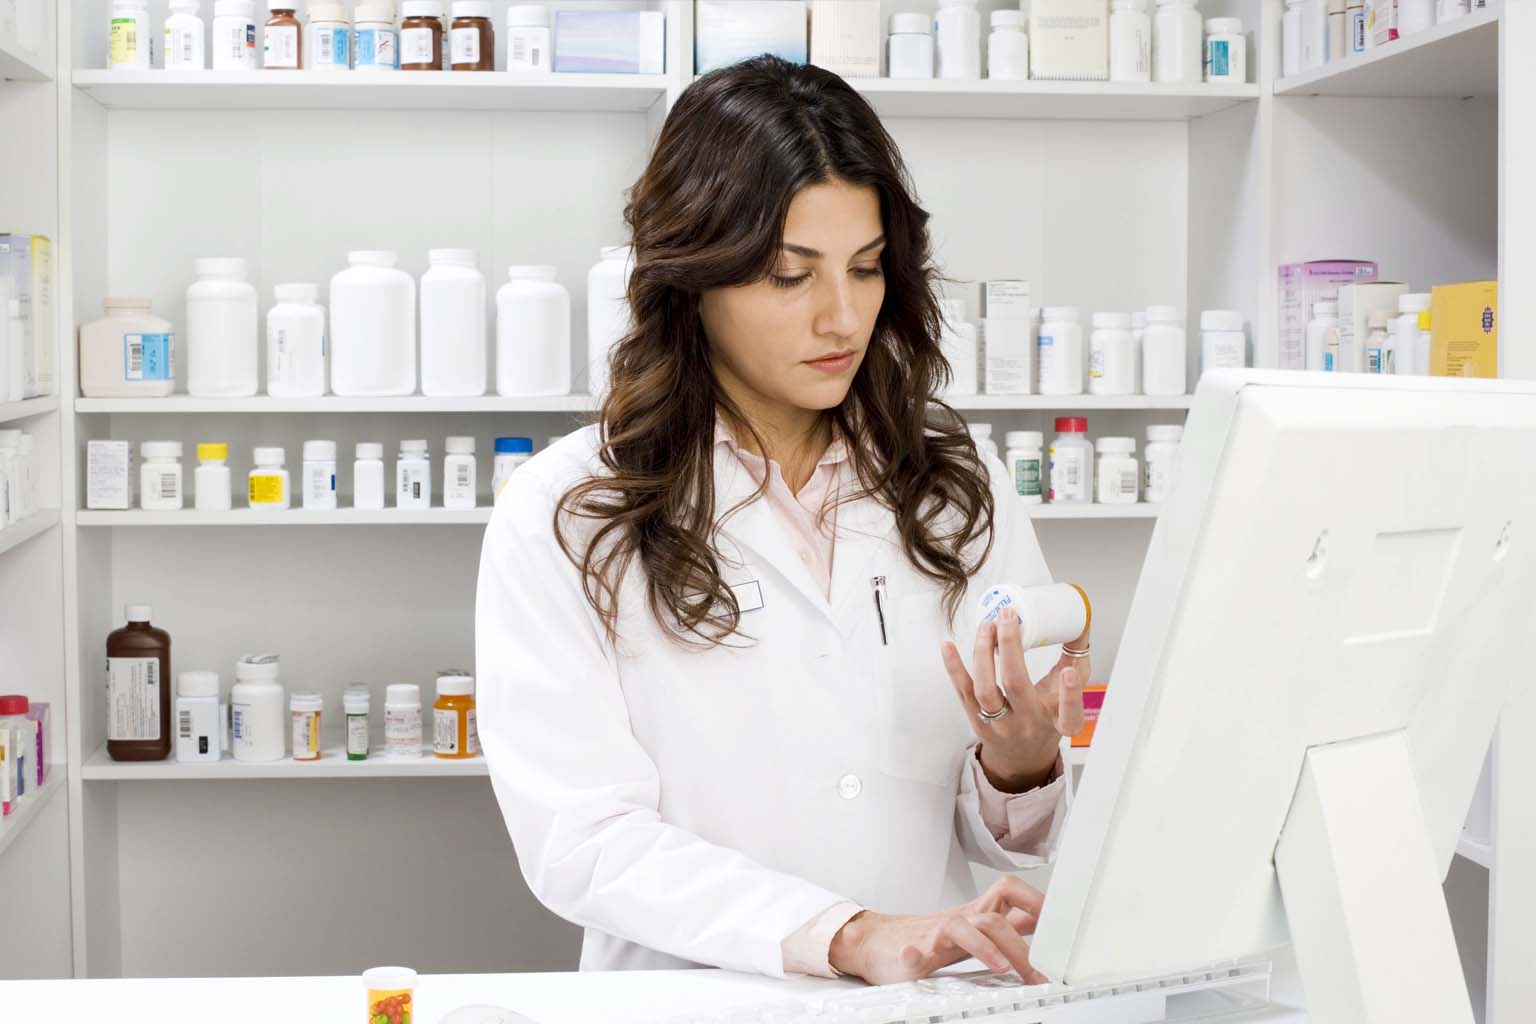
[(1464, 330)]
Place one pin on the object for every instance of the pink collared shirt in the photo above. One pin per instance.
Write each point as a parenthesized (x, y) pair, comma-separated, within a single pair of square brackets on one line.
[(1021, 823)]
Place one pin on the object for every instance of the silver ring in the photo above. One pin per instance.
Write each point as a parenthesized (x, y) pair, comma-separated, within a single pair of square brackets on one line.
[(1069, 652), (993, 716)]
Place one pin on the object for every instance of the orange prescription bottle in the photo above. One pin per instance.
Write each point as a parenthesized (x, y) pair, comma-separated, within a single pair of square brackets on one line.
[(453, 717)]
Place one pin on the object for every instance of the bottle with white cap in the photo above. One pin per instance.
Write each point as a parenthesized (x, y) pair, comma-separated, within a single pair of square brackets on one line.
[(1111, 355), (1130, 41), (528, 46), (375, 42), (957, 29), (221, 330), (160, 476), (1401, 358), (27, 472), (453, 325), (199, 723), (1008, 46), (129, 40), (296, 343), (1060, 352), (329, 47), (459, 473), (402, 721), (258, 715), (413, 476), (373, 326), (368, 476), (1118, 477), (320, 475), (1323, 337), (1162, 458), (267, 485), (1026, 464), (1164, 347), (234, 35), (184, 37), (1223, 342), (910, 48)]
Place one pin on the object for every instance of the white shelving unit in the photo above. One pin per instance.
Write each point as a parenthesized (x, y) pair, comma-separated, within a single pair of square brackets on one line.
[(1453, 60), (26, 43), (31, 808), (333, 764), (35, 525), (11, 412)]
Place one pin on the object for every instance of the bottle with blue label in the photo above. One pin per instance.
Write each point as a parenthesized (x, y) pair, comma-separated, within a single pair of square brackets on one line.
[(375, 42), (128, 353)]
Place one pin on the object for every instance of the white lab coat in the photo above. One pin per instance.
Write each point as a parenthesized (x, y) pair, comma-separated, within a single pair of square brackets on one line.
[(697, 807)]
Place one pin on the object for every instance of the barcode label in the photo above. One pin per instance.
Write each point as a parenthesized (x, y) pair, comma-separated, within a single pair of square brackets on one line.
[(168, 489), (1129, 478), (184, 724), (135, 357), (461, 476), (416, 490)]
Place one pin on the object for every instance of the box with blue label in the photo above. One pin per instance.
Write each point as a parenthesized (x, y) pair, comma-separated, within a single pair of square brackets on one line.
[(611, 42), (727, 32)]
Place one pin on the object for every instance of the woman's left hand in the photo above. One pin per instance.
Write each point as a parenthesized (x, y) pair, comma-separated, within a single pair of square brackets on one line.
[(1019, 749)]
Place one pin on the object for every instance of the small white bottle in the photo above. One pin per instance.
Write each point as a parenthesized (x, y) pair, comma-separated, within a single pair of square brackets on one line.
[(183, 46), (960, 346), (1323, 337), (234, 35), (375, 40), (1164, 358), (160, 476), (211, 480), (296, 343), (258, 712), (1226, 51), (267, 485), (1071, 462), (1162, 458), (402, 721), (1314, 34), (459, 473), (1026, 464), (1408, 308), (1008, 47), (1118, 477), (511, 452), (528, 48), (129, 42), (329, 46), (1130, 41), (199, 723), (320, 475), (1291, 39), (1060, 349), (910, 50), (1223, 343), (413, 476), (368, 476), (453, 328), (608, 317), (1177, 35), (1111, 355), (981, 437), (957, 31), (221, 330)]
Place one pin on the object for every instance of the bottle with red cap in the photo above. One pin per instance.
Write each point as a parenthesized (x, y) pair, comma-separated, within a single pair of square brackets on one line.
[(18, 734), (1071, 457)]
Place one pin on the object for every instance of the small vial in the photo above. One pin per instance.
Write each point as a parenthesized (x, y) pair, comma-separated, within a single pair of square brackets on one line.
[(511, 452), (320, 475), (1118, 476), (402, 721), (354, 704), (160, 476), (413, 476), (459, 473), (1051, 614), (1071, 462), (368, 476), (304, 715), (268, 482)]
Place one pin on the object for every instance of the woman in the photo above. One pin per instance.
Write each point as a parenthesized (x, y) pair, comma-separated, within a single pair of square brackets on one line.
[(710, 630)]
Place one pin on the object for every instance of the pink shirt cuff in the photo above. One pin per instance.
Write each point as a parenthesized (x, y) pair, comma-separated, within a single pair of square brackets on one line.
[(807, 950), (1020, 822)]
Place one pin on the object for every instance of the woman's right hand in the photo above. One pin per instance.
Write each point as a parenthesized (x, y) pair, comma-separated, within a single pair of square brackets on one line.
[(886, 948)]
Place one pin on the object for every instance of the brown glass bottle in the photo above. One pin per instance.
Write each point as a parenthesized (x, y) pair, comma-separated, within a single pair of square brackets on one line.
[(139, 690), (421, 36), (473, 42), (283, 42)]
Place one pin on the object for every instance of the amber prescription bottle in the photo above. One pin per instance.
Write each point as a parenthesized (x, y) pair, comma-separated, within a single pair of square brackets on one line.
[(453, 717), (473, 42), (283, 37), (421, 35), (138, 690)]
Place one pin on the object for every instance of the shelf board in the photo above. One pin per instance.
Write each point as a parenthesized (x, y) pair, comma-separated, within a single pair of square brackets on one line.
[(1141, 510), (12, 826), (27, 408), (21, 65), (332, 404), (1455, 59), (1075, 101), (1478, 851), (333, 764), (288, 517), (364, 90), (38, 523), (1067, 403)]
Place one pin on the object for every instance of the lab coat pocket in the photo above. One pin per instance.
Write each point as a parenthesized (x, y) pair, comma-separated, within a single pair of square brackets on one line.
[(923, 728)]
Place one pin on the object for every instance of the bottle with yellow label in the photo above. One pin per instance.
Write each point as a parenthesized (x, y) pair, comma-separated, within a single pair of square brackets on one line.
[(269, 480)]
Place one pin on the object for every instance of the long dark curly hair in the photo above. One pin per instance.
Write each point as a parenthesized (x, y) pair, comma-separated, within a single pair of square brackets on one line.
[(708, 212)]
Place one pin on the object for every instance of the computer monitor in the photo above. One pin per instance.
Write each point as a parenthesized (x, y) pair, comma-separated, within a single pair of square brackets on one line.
[(1337, 599)]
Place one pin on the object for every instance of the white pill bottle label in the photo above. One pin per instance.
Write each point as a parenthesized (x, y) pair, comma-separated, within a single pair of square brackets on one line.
[(1069, 474), (445, 731), (402, 732), (133, 698)]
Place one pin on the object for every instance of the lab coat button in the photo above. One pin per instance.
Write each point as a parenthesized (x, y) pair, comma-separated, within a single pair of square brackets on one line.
[(849, 786)]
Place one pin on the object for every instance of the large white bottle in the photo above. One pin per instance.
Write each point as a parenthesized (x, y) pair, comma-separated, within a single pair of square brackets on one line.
[(221, 330), (453, 325), (608, 317), (373, 328), (533, 334)]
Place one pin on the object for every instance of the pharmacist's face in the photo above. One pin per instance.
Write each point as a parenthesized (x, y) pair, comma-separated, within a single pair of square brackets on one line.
[(798, 336)]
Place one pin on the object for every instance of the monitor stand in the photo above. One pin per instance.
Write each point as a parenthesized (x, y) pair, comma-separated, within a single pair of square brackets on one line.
[(1362, 894)]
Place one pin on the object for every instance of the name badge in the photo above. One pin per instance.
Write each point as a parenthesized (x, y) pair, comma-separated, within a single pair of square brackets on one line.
[(749, 595)]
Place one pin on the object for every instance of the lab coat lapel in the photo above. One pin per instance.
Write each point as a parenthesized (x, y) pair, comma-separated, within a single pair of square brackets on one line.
[(755, 529)]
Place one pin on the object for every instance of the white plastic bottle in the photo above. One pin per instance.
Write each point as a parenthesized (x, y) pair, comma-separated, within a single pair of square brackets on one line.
[(1130, 41), (1008, 47), (199, 725), (221, 331), (1162, 458), (296, 343), (910, 50), (608, 317), (234, 35), (1291, 39), (1071, 462), (1061, 352), (1223, 343), (1138, 332), (1323, 337), (211, 480), (1050, 613), (459, 473), (528, 42), (320, 475), (375, 40), (1408, 308), (183, 46), (1111, 355), (258, 712), (1026, 464), (413, 476), (129, 42), (1164, 353), (160, 476), (511, 452), (981, 437), (452, 325), (1177, 42), (373, 327), (1314, 34), (957, 31), (533, 334), (961, 348), (368, 476), (329, 46), (1226, 51), (267, 487), (1117, 476), (1372, 356), (402, 721)]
